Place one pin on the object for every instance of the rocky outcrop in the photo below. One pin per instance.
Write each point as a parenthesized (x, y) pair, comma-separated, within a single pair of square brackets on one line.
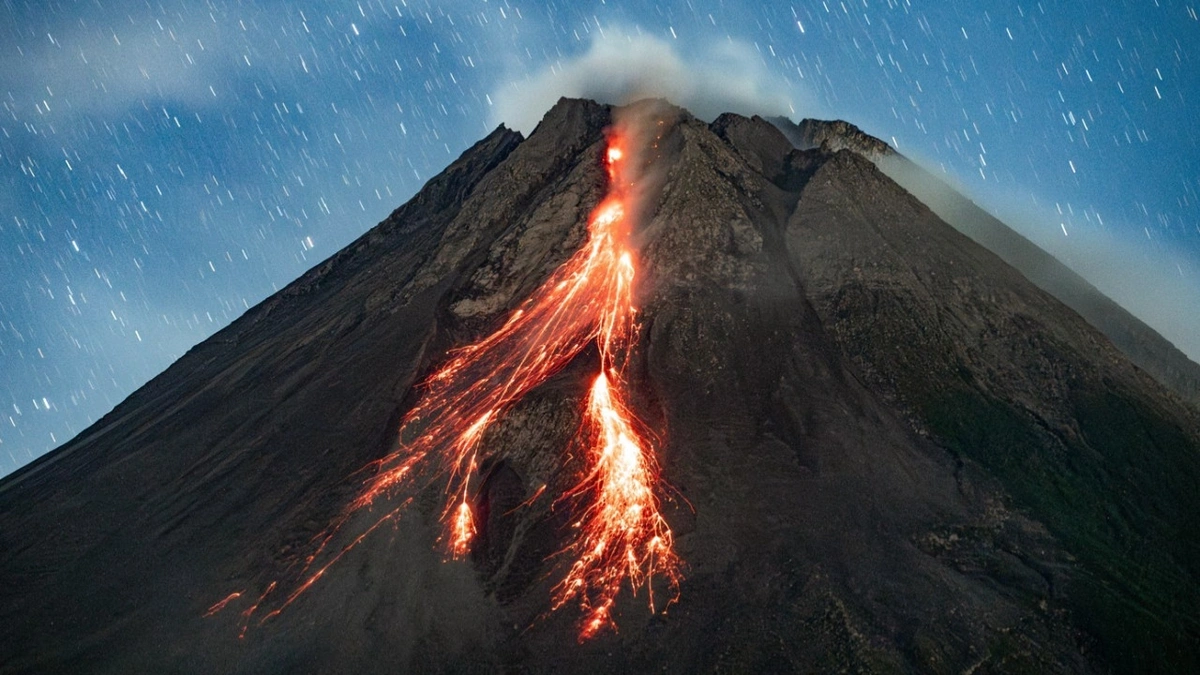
[(832, 136)]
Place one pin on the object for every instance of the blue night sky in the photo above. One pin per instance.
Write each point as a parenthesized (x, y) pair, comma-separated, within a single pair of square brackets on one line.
[(166, 165)]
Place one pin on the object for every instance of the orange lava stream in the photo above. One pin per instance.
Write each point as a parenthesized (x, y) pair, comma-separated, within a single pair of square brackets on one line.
[(621, 534), (483, 380)]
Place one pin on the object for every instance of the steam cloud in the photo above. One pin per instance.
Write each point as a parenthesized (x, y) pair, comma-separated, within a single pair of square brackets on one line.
[(619, 68)]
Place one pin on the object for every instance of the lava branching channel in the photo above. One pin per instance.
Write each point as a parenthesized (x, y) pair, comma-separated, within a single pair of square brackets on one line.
[(620, 536)]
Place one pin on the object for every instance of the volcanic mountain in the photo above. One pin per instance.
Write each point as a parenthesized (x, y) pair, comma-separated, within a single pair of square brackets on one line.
[(879, 447)]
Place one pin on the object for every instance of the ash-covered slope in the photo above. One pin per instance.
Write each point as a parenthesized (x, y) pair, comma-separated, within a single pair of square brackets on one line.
[(1141, 343), (887, 449)]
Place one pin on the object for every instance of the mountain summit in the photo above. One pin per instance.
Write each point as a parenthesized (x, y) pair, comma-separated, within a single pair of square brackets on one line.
[(880, 447)]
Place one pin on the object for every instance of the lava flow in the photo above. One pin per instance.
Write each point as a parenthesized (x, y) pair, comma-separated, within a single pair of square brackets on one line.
[(621, 534)]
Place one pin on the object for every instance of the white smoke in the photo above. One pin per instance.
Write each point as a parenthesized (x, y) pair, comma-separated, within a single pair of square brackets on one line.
[(619, 68)]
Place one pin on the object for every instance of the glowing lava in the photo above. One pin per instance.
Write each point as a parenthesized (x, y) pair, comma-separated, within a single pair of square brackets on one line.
[(621, 535)]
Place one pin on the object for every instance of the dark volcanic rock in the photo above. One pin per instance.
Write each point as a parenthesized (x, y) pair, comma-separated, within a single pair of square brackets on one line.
[(887, 450)]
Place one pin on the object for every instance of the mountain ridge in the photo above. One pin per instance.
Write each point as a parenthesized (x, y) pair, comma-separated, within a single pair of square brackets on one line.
[(1140, 342)]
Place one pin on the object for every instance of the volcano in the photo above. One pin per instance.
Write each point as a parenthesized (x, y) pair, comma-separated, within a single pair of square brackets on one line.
[(871, 444)]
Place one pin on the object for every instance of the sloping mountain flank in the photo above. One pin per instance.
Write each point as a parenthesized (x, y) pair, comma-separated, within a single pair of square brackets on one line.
[(1141, 343)]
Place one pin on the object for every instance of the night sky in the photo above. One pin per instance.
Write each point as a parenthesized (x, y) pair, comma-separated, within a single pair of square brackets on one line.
[(164, 166)]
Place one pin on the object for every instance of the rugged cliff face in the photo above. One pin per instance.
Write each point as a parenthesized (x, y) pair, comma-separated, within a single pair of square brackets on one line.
[(886, 449)]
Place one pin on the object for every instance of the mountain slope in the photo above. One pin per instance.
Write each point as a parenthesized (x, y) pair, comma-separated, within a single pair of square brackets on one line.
[(1142, 344), (886, 450)]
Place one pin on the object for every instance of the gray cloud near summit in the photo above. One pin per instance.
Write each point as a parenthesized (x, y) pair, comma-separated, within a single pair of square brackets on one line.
[(619, 68)]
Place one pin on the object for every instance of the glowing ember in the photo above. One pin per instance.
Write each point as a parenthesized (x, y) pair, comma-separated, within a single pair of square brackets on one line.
[(621, 535), (464, 529), (221, 605)]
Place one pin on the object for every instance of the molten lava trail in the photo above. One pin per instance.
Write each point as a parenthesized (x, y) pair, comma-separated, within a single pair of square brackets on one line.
[(621, 535)]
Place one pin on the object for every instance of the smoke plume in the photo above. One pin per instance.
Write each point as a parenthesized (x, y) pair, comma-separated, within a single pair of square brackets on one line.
[(619, 68)]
